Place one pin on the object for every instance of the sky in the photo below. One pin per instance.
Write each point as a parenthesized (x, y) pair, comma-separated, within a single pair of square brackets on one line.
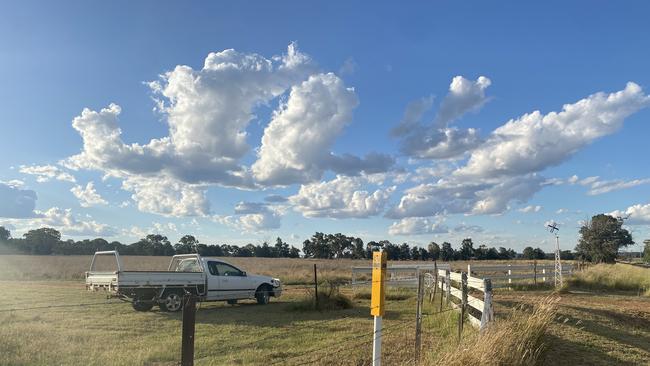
[(239, 123)]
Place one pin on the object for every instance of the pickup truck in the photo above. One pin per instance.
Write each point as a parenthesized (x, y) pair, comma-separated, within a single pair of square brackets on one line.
[(210, 279)]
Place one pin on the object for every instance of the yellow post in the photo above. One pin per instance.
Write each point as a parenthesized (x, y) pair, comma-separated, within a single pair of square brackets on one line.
[(378, 289), (377, 302)]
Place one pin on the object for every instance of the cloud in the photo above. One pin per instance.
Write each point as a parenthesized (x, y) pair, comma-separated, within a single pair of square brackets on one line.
[(297, 142), (252, 217), (452, 196), (464, 96), (16, 202), (66, 223), (167, 197), (437, 140), (535, 141), (88, 196), (638, 214), (342, 197), (529, 209), (465, 228), (275, 198), (601, 187), (418, 226), (45, 173)]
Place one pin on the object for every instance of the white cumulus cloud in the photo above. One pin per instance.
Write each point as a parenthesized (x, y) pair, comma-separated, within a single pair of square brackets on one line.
[(638, 214), (45, 173), (88, 196), (342, 197), (418, 226)]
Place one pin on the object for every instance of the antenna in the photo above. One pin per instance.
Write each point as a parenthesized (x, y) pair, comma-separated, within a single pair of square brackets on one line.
[(554, 229)]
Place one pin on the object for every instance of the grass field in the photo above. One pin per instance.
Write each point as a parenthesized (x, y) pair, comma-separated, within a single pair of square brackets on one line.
[(591, 326)]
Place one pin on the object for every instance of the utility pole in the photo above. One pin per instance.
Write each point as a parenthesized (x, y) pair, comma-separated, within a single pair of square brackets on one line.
[(558, 263)]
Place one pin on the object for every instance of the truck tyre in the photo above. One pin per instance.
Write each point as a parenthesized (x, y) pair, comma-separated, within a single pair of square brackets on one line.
[(140, 305), (263, 294), (232, 302), (171, 301)]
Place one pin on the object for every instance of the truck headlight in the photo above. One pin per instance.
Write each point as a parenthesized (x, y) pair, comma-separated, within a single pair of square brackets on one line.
[(275, 282)]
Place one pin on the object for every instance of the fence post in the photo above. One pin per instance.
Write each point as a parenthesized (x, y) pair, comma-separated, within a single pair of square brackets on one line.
[(463, 304), (469, 269), (315, 287), (535, 272), (487, 315), (448, 286), (544, 275), (509, 278), (418, 317), (187, 341), (432, 294)]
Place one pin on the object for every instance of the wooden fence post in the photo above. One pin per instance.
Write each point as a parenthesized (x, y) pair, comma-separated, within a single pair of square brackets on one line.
[(448, 287), (487, 315), (463, 303), (418, 317), (315, 287), (535, 272), (189, 320), (509, 278), (544, 275)]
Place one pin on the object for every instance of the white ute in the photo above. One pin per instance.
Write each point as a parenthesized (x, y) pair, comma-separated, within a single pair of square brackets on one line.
[(209, 279)]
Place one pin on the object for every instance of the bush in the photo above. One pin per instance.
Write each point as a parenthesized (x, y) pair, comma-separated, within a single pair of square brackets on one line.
[(516, 340)]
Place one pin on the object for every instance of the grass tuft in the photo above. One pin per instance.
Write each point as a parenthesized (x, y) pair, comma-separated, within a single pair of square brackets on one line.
[(516, 340), (329, 298)]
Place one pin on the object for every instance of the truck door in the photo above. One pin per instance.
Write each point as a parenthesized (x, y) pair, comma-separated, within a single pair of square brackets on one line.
[(227, 282)]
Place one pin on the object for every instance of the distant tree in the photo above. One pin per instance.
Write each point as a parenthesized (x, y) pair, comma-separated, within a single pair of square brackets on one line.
[(404, 252), (281, 249), (481, 252), (466, 249), (601, 238), (41, 241), (415, 254), (646, 251), (424, 254), (434, 251), (528, 253), (294, 252), (392, 250), (317, 247), (506, 253), (358, 251), (263, 250), (447, 252), (5, 235), (186, 244), (152, 244), (538, 253)]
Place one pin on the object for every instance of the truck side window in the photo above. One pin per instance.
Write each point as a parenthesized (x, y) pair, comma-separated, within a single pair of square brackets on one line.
[(227, 270), (212, 267)]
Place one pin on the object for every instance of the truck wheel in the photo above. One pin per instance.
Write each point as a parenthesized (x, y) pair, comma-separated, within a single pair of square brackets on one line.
[(232, 302), (262, 295), (171, 301), (140, 305)]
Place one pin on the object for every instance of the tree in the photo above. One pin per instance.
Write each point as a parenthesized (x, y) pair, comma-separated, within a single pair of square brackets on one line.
[(434, 251), (294, 252), (4, 234), (41, 241), (358, 251), (646, 251), (601, 238), (466, 249), (187, 244), (538, 253), (281, 249), (528, 253), (447, 252)]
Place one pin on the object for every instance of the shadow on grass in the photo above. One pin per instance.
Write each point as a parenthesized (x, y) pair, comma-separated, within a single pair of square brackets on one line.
[(563, 351)]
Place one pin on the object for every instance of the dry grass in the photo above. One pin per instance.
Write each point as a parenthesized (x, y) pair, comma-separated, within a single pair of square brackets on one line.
[(622, 277), (516, 340)]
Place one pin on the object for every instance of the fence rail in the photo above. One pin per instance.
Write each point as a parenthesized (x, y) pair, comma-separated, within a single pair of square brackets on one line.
[(457, 286), (502, 275), (401, 275)]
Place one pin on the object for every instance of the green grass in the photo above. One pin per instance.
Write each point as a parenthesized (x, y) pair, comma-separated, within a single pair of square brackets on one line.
[(622, 277), (243, 334)]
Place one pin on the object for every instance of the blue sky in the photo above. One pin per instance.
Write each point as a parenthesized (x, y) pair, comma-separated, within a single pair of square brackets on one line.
[(273, 137)]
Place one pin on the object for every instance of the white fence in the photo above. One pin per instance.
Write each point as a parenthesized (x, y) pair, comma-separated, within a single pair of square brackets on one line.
[(502, 275), (402, 275), (470, 292)]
